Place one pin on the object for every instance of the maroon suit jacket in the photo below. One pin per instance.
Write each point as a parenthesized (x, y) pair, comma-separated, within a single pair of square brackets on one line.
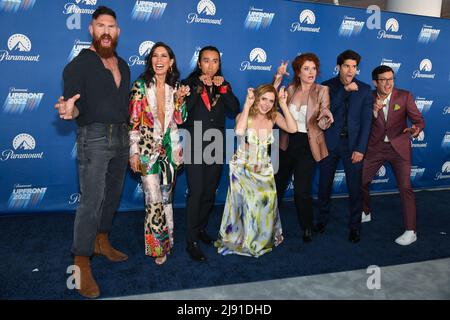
[(401, 108)]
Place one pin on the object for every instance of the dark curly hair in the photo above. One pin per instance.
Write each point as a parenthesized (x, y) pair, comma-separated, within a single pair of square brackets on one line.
[(172, 76)]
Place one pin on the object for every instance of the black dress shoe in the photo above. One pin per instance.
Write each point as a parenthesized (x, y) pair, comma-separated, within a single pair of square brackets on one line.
[(319, 228), (204, 237), (194, 252), (307, 235), (354, 236)]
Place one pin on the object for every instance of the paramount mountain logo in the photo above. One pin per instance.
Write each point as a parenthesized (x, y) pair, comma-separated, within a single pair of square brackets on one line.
[(390, 63), (425, 68), (257, 18), (71, 8), (22, 143), (381, 176), (307, 19), (77, 47), (350, 27), (16, 5), (205, 10), (445, 172), (423, 104), (392, 26), (428, 34), (20, 100), (419, 141), (257, 58), (144, 10), (26, 196), (20, 44), (144, 50)]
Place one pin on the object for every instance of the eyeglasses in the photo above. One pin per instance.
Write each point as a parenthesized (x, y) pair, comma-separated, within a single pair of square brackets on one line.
[(382, 80)]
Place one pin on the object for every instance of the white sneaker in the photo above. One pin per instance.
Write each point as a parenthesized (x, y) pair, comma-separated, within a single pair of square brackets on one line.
[(365, 217), (408, 237)]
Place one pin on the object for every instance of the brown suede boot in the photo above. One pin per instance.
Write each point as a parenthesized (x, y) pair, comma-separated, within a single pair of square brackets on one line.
[(88, 286), (104, 248)]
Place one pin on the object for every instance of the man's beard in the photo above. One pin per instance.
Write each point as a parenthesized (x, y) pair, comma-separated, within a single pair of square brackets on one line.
[(105, 52)]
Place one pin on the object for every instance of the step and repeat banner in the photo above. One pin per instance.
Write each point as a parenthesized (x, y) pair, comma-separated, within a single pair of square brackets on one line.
[(38, 171)]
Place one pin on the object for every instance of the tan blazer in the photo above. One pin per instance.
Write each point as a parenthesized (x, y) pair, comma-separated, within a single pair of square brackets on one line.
[(318, 99)]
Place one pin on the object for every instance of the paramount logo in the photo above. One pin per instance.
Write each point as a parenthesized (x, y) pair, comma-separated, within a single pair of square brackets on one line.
[(144, 50), (258, 56), (18, 43), (21, 143), (391, 26), (425, 67), (73, 8), (306, 17), (205, 8), (380, 176), (418, 142)]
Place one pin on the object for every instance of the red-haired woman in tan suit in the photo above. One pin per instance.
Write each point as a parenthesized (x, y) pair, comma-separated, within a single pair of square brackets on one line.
[(309, 103)]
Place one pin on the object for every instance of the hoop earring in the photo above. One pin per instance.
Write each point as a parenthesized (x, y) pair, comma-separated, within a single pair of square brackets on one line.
[(170, 69)]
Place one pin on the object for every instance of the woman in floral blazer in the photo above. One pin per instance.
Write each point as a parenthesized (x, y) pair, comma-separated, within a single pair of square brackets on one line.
[(156, 108)]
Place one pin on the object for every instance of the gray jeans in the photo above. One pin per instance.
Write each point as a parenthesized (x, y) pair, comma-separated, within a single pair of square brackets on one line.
[(103, 151)]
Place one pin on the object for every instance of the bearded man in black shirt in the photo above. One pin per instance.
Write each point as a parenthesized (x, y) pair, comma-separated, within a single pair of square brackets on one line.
[(96, 84)]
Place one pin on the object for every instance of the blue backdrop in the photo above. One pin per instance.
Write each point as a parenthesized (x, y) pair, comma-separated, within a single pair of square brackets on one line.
[(38, 38)]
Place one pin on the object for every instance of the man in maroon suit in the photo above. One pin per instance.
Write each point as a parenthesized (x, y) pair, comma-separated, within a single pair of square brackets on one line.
[(390, 140)]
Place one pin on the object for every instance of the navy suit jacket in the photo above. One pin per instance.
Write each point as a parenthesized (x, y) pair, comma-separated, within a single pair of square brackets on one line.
[(359, 116)]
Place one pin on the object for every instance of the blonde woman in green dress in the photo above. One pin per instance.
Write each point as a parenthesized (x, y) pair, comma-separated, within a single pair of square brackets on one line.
[(251, 223)]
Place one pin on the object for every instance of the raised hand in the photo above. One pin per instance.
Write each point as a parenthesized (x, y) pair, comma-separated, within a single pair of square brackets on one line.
[(67, 109), (207, 81), (218, 81), (281, 70), (325, 119), (182, 92), (250, 99), (351, 87), (413, 131), (282, 96), (378, 105)]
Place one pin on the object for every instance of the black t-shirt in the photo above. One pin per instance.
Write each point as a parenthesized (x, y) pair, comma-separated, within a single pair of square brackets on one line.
[(100, 99)]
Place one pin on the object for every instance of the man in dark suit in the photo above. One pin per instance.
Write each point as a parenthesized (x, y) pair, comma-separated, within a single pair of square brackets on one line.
[(351, 105), (390, 141)]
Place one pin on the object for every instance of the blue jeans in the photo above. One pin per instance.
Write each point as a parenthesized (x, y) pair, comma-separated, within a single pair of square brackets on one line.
[(103, 151)]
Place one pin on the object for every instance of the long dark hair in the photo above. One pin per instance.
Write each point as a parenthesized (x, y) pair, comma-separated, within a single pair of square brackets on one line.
[(172, 76), (197, 71)]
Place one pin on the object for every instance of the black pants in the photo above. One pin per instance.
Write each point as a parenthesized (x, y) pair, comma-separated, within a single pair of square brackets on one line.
[(202, 181), (353, 178), (102, 151), (297, 159)]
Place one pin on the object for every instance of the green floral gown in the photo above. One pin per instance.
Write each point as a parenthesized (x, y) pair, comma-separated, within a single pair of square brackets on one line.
[(251, 223)]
